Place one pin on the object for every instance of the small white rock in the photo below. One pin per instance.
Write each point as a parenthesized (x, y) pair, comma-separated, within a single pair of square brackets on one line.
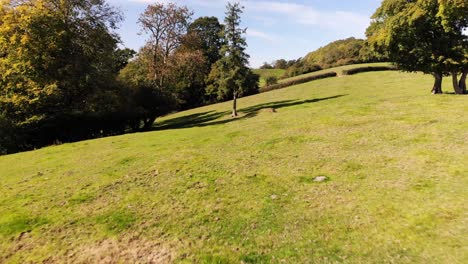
[(320, 179)]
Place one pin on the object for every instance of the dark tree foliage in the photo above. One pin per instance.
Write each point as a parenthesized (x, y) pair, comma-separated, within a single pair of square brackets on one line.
[(63, 86), (209, 32)]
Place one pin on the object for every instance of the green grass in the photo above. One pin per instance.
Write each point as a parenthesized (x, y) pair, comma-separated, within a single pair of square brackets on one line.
[(206, 188), (264, 73)]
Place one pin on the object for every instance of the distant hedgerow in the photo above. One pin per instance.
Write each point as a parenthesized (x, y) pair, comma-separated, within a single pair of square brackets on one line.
[(298, 81)]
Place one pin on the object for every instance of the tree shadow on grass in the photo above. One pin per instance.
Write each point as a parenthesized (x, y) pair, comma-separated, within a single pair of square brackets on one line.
[(210, 118)]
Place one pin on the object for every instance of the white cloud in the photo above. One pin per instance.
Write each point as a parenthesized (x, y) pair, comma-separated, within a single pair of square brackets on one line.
[(262, 35), (290, 12), (306, 15)]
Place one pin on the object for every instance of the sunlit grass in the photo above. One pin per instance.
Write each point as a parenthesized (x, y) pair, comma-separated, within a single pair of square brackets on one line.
[(204, 187)]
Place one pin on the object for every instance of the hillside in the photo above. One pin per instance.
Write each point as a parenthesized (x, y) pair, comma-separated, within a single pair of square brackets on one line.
[(206, 188), (335, 54), (338, 53)]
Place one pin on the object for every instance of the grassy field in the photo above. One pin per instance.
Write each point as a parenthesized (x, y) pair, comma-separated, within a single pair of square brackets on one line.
[(206, 188), (264, 73)]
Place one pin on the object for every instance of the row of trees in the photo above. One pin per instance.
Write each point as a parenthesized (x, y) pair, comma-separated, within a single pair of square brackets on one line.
[(424, 35), (63, 77), (188, 64), (281, 64), (58, 63)]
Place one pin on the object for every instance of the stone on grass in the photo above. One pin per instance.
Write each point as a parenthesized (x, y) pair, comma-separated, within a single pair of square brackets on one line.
[(320, 179)]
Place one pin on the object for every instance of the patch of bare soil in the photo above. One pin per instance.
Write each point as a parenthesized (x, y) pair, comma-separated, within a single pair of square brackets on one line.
[(133, 250)]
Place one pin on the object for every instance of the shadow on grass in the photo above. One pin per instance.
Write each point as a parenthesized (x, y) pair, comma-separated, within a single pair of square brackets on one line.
[(211, 117)]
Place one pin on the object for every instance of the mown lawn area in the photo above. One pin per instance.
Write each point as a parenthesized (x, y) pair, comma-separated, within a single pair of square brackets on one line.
[(206, 188)]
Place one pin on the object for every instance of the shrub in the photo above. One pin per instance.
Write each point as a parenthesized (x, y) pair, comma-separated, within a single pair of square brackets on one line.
[(271, 80), (369, 69), (301, 68)]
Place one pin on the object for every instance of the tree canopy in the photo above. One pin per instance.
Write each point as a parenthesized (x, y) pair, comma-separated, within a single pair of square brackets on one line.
[(423, 35), (58, 59)]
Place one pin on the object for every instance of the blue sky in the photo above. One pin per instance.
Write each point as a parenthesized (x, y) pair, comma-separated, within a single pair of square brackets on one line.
[(275, 29)]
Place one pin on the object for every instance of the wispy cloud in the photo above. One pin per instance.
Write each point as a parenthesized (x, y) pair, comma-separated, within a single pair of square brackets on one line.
[(262, 35), (309, 16), (268, 12)]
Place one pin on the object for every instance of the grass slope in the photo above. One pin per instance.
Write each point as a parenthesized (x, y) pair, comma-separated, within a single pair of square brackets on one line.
[(206, 188)]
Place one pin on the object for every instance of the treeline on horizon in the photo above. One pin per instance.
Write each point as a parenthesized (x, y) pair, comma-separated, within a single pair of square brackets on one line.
[(63, 77), (337, 53)]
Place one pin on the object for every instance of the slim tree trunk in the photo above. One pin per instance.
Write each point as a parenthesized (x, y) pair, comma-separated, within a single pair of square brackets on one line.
[(234, 105), (456, 86), (437, 89), (462, 82)]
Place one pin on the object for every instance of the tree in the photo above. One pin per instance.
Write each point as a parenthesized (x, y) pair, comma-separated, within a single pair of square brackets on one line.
[(266, 66), (55, 55), (146, 101), (281, 64), (230, 76), (166, 25), (422, 35), (454, 19), (188, 70), (209, 33), (122, 58)]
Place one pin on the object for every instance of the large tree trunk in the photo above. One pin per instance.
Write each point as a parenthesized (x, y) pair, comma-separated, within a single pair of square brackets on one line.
[(234, 105), (437, 89), (462, 82)]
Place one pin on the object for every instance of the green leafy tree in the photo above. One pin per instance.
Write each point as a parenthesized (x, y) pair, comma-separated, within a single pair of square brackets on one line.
[(122, 58), (281, 64), (208, 31), (423, 35), (146, 101), (54, 56), (230, 77)]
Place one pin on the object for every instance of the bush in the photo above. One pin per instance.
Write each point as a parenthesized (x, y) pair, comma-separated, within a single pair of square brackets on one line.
[(369, 69), (297, 81), (301, 68), (271, 80)]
